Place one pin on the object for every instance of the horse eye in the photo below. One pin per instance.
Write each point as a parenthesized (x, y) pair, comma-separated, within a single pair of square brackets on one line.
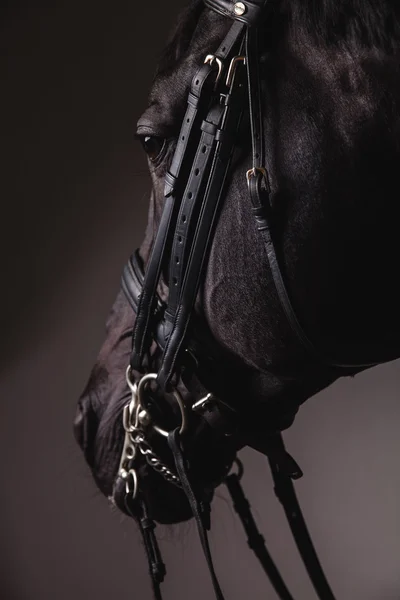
[(152, 145)]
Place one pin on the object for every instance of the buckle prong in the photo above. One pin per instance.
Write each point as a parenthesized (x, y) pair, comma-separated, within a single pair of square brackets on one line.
[(211, 60), (232, 69)]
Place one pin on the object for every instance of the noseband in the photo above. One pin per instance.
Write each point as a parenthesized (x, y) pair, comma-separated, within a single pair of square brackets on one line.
[(225, 88)]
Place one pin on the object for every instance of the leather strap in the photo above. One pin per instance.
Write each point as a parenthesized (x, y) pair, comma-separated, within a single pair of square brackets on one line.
[(141, 339), (244, 11), (194, 110), (255, 540), (254, 97), (202, 344), (196, 506), (233, 103), (197, 99), (190, 206), (258, 186), (286, 494), (146, 526)]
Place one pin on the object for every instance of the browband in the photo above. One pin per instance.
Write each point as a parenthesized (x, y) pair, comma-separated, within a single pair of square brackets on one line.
[(247, 12)]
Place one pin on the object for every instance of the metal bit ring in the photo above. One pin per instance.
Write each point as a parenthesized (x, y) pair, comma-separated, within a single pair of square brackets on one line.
[(131, 479), (140, 390)]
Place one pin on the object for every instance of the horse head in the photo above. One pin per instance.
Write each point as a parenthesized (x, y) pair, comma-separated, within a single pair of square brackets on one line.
[(330, 98)]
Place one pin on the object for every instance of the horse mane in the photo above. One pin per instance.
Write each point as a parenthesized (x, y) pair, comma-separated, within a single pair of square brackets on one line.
[(370, 23)]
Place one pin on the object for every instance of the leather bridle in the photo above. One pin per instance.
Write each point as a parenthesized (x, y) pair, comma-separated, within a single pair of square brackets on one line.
[(226, 86)]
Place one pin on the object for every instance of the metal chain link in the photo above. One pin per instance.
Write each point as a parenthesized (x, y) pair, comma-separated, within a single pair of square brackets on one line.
[(134, 417)]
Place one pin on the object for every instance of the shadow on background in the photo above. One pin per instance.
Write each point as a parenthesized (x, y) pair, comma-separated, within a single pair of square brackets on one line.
[(74, 200)]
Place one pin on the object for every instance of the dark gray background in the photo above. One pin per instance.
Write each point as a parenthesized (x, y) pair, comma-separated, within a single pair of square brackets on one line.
[(74, 200)]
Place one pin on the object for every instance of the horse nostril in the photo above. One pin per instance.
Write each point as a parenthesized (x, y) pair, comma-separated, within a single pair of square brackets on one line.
[(85, 425)]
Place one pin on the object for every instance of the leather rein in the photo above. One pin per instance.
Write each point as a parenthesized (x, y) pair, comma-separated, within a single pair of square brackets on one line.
[(226, 86)]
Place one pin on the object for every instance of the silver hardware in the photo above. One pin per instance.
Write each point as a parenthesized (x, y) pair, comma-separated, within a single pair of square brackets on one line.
[(232, 69), (210, 59), (182, 408), (128, 375), (143, 445), (134, 419), (144, 418), (127, 456), (131, 483), (129, 412), (145, 379), (239, 9), (177, 396), (202, 404), (253, 172), (154, 462)]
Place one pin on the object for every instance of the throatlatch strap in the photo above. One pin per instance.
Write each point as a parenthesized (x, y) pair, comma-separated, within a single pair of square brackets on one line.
[(258, 186)]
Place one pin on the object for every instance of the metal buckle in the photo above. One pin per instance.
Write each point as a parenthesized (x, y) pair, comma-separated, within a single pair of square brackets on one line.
[(232, 69), (253, 172), (211, 59), (202, 404)]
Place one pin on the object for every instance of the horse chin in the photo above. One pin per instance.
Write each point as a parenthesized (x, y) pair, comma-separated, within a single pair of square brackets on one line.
[(167, 503)]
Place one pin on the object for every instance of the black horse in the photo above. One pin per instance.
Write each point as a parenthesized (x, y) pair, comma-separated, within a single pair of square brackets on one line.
[(330, 89)]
